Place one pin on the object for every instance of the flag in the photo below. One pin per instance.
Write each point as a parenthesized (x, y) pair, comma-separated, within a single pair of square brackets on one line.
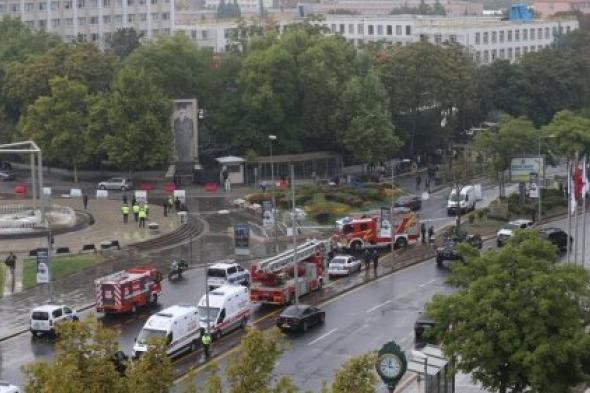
[(586, 187), (579, 182), (571, 191)]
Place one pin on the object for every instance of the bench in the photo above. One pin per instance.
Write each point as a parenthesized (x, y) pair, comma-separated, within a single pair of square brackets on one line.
[(115, 243), (62, 250), (88, 247), (106, 245), (154, 228)]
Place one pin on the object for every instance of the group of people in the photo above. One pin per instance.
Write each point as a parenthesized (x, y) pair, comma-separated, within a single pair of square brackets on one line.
[(423, 233), (175, 204), (140, 211), (371, 255)]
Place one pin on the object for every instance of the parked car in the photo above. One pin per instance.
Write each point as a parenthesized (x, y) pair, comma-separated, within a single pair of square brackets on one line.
[(556, 236), (7, 175), (227, 272), (448, 251), (343, 265), (412, 202), (300, 317), (508, 229), (6, 387), (116, 183), (44, 318), (422, 329)]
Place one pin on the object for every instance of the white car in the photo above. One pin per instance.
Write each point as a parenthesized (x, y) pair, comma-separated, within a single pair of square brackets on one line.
[(343, 265), (227, 272), (44, 318), (507, 230), (6, 387), (116, 183)]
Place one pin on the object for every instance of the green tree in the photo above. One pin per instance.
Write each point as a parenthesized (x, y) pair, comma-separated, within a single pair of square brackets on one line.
[(82, 358), (357, 375), (516, 321), (58, 123), (124, 41), (153, 372), (572, 134), (515, 138), (139, 122)]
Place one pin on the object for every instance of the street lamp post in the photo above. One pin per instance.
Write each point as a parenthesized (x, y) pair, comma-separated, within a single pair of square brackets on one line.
[(271, 139), (392, 207), (539, 174)]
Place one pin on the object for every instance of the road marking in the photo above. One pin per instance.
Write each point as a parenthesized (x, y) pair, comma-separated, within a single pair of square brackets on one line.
[(428, 282), (322, 336), (378, 306)]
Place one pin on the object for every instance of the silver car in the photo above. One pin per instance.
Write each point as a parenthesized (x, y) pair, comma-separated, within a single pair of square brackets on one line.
[(343, 265), (116, 183)]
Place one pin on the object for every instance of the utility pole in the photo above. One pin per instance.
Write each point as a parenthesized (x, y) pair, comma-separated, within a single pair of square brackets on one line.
[(296, 272), (273, 138), (392, 207)]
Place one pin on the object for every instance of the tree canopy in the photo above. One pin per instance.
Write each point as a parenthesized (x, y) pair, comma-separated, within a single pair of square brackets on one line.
[(517, 319)]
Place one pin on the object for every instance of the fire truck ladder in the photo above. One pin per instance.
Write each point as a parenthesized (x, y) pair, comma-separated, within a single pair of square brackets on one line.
[(279, 262)]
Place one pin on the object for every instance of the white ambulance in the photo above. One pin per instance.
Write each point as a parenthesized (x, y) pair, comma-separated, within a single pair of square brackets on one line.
[(229, 308), (178, 324)]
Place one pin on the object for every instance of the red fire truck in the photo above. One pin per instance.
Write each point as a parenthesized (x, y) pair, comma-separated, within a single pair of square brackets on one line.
[(357, 233), (126, 290), (273, 280)]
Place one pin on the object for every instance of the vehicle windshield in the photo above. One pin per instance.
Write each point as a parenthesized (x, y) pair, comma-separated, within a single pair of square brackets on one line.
[(220, 273), (213, 312), (510, 226), (454, 197), (293, 311), (40, 316), (146, 334)]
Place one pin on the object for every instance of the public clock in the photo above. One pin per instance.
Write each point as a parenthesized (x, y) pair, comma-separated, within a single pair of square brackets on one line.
[(390, 365)]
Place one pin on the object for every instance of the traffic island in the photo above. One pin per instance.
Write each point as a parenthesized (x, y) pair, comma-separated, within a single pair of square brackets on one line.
[(61, 266)]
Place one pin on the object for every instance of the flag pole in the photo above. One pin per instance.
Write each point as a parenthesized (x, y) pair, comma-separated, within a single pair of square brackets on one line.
[(569, 211), (584, 191), (576, 215)]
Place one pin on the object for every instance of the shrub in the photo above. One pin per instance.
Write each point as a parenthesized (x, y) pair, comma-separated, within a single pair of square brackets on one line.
[(471, 218)]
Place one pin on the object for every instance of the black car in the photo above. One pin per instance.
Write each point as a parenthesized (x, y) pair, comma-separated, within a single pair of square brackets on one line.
[(556, 236), (422, 329), (300, 317), (448, 251), (412, 202)]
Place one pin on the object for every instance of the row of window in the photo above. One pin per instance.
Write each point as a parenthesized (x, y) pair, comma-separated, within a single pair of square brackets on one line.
[(488, 56), (69, 4), (95, 37), (531, 34), (371, 29), (93, 20)]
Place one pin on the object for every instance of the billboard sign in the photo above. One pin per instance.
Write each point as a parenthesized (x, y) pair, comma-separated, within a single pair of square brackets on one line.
[(242, 239), (522, 167)]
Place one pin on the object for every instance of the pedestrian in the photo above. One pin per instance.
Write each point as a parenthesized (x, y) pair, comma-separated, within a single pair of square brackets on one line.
[(133, 201), (124, 198), (206, 341), (367, 259), (331, 254), (135, 208), (165, 206), (224, 175), (375, 261), (10, 262), (177, 204), (423, 232), (418, 181), (262, 186), (125, 212), (142, 216), (430, 233), (85, 201), (427, 184), (146, 208)]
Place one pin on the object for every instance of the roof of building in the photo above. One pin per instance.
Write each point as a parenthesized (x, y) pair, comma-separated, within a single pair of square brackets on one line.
[(229, 159)]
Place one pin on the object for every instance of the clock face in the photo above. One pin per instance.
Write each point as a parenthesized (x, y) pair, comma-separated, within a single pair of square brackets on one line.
[(390, 365)]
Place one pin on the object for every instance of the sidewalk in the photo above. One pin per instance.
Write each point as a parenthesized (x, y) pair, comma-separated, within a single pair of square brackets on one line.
[(108, 226)]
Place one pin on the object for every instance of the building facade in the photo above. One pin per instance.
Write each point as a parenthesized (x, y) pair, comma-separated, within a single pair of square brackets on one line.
[(246, 6), (485, 38), (93, 20)]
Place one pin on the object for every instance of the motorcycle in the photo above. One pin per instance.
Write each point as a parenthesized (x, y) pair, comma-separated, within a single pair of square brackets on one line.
[(176, 269)]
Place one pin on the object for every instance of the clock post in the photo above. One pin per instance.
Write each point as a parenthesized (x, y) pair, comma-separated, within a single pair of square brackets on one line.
[(391, 364)]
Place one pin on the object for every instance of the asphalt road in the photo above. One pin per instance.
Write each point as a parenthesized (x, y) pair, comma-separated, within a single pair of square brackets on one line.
[(21, 350)]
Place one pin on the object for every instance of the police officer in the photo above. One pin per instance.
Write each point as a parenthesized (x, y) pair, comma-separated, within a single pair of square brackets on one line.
[(136, 211), (142, 216), (206, 341), (125, 212), (146, 207)]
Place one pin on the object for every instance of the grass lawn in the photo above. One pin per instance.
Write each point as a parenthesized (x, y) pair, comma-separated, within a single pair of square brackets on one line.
[(2, 278), (60, 267)]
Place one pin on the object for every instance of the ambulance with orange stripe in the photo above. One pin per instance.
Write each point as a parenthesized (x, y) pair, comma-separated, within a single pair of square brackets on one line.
[(356, 233), (229, 309)]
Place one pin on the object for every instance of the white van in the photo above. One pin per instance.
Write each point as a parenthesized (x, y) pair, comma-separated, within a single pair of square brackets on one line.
[(229, 308), (178, 324), (44, 318), (465, 202), (227, 272), (6, 387)]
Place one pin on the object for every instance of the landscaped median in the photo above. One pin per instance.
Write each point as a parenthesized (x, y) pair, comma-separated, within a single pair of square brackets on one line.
[(61, 266)]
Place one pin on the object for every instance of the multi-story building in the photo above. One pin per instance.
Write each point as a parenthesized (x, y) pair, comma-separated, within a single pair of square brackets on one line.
[(485, 38), (246, 6), (93, 20)]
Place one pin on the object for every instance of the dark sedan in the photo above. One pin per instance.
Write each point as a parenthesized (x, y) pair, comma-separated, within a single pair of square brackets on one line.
[(448, 251), (412, 202), (300, 317), (556, 236)]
